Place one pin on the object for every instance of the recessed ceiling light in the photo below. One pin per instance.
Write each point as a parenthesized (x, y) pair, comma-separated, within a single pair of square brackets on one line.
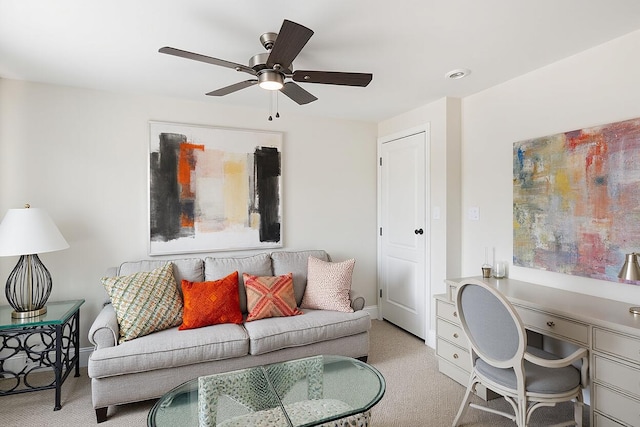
[(458, 74)]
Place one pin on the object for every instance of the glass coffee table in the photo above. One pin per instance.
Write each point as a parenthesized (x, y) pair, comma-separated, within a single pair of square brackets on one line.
[(302, 392)]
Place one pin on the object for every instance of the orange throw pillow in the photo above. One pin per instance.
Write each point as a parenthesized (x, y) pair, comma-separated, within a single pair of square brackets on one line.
[(211, 303), (270, 296)]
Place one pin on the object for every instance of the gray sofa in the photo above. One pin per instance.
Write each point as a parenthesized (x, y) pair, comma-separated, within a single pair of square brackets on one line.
[(149, 366)]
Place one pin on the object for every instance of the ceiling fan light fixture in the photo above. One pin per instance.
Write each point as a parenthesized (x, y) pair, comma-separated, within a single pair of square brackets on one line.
[(271, 80), (459, 73)]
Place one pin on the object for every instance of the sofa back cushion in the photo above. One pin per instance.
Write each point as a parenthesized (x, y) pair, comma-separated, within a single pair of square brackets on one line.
[(191, 269), (257, 265), (296, 263)]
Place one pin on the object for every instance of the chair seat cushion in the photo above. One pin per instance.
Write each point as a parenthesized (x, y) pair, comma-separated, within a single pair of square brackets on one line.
[(538, 379)]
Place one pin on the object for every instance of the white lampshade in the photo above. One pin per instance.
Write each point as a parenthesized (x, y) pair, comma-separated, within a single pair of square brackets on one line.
[(29, 231)]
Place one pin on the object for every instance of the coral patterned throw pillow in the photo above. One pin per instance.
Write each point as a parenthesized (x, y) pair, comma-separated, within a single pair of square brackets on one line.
[(270, 296)]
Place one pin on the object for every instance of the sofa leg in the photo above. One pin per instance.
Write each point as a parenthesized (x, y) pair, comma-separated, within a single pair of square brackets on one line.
[(101, 414), (363, 359)]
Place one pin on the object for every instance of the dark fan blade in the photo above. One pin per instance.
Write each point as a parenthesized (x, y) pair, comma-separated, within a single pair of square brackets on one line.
[(232, 88), (297, 94), (333, 78), (290, 41), (207, 59)]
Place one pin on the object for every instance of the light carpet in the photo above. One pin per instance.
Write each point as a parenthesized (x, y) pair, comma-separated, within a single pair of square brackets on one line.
[(416, 395)]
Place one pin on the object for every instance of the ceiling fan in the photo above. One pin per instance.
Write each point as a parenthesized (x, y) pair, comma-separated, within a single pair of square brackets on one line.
[(272, 68)]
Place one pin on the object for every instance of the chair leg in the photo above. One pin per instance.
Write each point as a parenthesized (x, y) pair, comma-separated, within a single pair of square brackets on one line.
[(465, 402), (521, 420), (577, 410)]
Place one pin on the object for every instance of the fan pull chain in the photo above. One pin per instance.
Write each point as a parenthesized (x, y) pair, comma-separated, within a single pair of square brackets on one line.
[(274, 97)]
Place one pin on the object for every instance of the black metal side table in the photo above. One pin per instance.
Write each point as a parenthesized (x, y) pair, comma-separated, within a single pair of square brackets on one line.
[(47, 342)]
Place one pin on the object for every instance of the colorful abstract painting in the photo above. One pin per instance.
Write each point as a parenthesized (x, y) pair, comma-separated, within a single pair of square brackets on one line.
[(213, 189), (576, 200)]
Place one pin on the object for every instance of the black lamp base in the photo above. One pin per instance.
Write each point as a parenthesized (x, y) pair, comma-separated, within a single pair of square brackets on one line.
[(28, 287), (28, 314)]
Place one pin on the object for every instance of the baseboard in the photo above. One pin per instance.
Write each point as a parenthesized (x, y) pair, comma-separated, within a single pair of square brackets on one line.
[(84, 356), (431, 339), (373, 311)]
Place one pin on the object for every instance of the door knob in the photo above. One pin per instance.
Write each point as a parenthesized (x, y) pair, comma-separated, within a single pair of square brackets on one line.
[(418, 231)]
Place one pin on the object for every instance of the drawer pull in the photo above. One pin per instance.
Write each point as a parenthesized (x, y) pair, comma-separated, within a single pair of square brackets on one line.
[(455, 355), (455, 335), (551, 324), (455, 314)]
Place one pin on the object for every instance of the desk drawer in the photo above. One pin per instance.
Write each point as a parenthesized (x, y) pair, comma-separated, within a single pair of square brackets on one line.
[(620, 375), (553, 325), (616, 405), (454, 354), (602, 421), (447, 311), (618, 344), (451, 333)]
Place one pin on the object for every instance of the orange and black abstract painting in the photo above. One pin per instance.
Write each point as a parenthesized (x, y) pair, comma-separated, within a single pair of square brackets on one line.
[(213, 189)]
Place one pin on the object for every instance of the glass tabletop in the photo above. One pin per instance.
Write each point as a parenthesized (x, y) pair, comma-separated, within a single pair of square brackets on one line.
[(297, 393), (58, 312)]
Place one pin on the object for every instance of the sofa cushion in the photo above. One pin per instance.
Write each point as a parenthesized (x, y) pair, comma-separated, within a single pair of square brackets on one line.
[(211, 303), (257, 265), (296, 263), (145, 302), (275, 333), (270, 296), (191, 269), (328, 285), (170, 348)]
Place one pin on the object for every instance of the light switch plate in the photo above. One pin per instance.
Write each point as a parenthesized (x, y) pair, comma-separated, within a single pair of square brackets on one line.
[(474, 214)]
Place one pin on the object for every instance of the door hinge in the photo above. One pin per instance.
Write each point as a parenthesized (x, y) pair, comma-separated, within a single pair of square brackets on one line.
[(381, 231), (380, 161), (380, 293)]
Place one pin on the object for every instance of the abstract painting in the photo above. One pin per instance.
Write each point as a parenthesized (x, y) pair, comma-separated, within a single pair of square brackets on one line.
[(576, 200), (213, 189)]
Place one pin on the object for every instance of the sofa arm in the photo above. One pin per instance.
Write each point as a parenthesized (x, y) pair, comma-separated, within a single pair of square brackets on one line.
[(357, 301), (104, 331)]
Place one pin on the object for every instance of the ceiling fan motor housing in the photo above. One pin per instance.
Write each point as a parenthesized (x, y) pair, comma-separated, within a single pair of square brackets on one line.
[(259, 62)]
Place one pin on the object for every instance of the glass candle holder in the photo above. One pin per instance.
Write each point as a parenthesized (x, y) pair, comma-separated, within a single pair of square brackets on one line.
[(500, 269)]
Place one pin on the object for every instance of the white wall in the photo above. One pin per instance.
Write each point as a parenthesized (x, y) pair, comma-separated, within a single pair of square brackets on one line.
[(595, 87), (82, 156)]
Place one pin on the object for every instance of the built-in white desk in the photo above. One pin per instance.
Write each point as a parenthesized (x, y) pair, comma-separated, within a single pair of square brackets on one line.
[(605, 327)]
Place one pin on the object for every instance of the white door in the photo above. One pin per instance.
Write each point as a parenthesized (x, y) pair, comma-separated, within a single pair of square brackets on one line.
[(403, 232)]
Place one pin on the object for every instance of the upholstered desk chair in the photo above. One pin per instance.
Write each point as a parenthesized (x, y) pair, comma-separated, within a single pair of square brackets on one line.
[(526, 377)]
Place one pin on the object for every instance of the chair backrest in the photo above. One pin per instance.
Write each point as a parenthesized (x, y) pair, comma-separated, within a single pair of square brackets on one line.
[(494, 329)]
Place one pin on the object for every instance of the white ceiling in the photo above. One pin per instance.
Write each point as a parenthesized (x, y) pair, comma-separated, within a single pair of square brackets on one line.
[(408, 45)]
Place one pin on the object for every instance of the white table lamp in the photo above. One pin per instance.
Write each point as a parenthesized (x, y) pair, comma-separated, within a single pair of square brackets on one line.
[(27, 232)]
